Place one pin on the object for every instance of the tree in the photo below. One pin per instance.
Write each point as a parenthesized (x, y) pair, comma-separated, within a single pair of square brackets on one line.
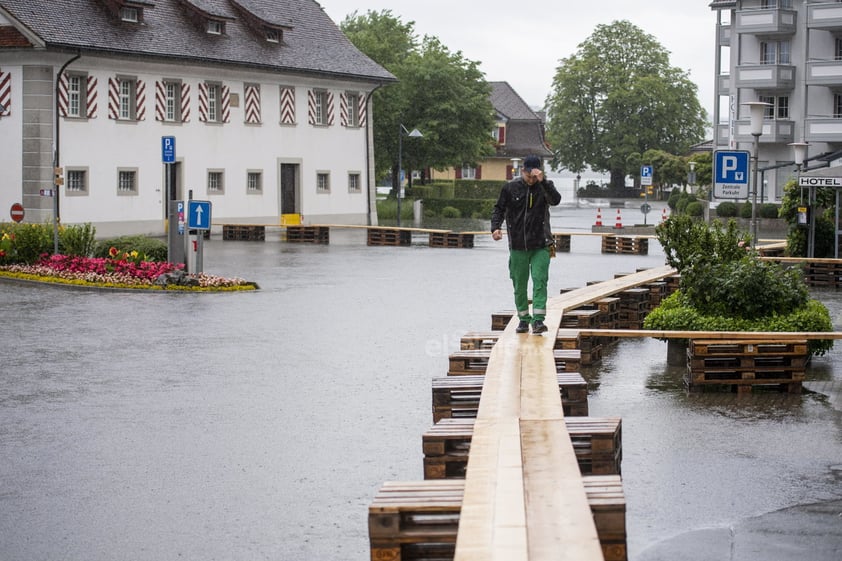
[(440, 93), (618, 96)]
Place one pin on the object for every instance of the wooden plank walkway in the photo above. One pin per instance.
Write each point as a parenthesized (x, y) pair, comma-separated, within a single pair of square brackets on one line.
[(524, 494)]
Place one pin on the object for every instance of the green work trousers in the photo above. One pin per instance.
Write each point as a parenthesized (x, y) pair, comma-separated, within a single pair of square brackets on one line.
[(521, 264)]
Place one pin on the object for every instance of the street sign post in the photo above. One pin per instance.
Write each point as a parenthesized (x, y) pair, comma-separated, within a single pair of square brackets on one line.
[(17, 212), (645, 176), (731, 174), (198, 215), (168, 149)]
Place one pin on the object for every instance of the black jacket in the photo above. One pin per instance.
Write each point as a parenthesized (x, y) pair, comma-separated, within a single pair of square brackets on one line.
[(526, 211)]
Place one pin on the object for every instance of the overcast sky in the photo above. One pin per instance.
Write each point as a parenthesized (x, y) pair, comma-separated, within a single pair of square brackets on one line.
[(522, 44)]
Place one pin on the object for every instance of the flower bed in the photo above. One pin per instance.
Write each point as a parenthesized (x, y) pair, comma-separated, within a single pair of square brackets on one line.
[(128, 271)]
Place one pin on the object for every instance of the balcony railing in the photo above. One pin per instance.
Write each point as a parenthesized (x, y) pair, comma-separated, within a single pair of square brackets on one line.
[(774, 131), (825, 16), (723, 84), (725, 35), (766, 22), (823, 130), (766, 76), (824, 73)]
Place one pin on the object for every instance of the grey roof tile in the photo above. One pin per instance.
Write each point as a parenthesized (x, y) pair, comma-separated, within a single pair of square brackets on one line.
[(313, 45)]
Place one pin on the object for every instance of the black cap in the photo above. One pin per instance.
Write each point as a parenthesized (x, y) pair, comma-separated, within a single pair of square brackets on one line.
[(531, 162)]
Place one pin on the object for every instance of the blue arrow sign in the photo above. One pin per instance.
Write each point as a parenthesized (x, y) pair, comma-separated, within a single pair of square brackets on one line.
[(198, 215), (731, 174)]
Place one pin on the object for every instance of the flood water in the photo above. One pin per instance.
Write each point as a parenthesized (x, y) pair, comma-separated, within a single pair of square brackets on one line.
[(249, 426)]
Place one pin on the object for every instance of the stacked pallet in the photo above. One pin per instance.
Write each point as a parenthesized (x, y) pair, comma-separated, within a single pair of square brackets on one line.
[(597, 442), (475, 361), (633, 308), (244, 232), (823, 273), (625, 245), (746, 363), (451, 239), (458, 396), (415, 520), (657, 293), (308, 234), (561, 243), (389, 236)]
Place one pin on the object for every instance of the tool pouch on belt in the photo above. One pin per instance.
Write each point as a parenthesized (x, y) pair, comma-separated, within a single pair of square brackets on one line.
[(551, 247)]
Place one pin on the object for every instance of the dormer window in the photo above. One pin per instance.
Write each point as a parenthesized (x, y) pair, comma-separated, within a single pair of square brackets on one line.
[(215, 27), (273, 35), (129, 14)]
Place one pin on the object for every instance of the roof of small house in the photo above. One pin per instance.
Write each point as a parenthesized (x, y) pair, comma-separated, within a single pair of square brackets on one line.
[(524, 127), (311, 42)]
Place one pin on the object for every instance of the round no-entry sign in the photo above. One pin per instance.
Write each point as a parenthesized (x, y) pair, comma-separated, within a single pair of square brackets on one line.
[(17, 212)]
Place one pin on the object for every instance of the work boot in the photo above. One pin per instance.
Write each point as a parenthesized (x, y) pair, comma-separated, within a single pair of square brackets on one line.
[(522, 327), (538, 326)]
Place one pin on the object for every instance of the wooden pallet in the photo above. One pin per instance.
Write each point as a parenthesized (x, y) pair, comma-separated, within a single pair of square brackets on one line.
[(823, 273), (308, 234), (475, 361), (244, 232), (582, 318), (459, 396), (746, 363), (597, 442), (562, 243), (419, 520), (389, 236), (500, 320), (625, 245), (451, 239)]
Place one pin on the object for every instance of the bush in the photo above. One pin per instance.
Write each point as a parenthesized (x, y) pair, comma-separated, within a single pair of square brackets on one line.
[(77, 240), (690, 242), (768, 210), (695, 209), (675, 314), (727, 209), (450, 212), (149, 249), (745, 210), (25, 243)]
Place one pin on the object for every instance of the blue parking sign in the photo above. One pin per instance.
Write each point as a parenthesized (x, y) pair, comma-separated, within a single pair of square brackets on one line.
[(731, 174), (168, 149)]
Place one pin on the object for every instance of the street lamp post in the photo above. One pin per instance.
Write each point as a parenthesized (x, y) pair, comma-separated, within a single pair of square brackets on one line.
[(414, 134), (799, 154), (757, 110), (691, 177)]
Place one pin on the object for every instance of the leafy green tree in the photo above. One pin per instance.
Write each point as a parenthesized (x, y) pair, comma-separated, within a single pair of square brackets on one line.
[(617, 95), (442, 94), (796, 239)]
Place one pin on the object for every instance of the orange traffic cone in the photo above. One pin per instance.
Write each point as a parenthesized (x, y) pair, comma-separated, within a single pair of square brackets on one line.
[(598, 217), (619, 223), (664, 215)]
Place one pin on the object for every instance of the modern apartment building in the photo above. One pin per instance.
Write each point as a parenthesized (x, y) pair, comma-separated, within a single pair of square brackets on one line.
[(787, 53)]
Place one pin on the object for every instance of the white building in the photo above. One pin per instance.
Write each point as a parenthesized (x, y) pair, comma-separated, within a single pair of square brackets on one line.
[(787, 53), (267, 100)]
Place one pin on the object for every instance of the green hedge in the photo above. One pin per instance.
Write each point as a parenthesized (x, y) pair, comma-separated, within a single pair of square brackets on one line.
[(469, 208), (727, 209)]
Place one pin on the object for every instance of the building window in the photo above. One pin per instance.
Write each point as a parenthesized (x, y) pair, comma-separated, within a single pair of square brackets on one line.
[(214, 99), (127, 182), (354, 183), (215, 27), (469, 172), (499, 134), (172, 101), (837, 47), (320, 97), (837, 105), (77, 182), (216, 182), (273, 35), (778, 107), (322, 182), (775, 52), (353, 109), (129, 14), (254, 182), (126, 98), (76, 95)]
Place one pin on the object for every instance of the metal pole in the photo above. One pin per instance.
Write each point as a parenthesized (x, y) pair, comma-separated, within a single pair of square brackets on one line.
[(754, 194), (56, 155), (400, 155), (811, 236)]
